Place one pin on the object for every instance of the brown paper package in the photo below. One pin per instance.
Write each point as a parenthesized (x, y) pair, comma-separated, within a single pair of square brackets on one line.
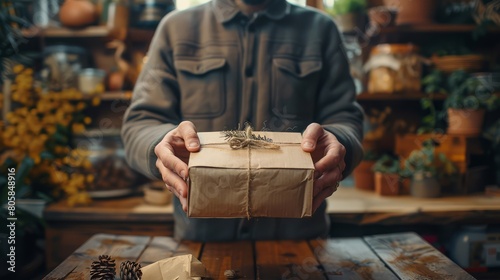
[(250, 182)]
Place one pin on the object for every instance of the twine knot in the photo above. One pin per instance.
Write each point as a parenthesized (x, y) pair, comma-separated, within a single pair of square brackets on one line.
[(242, 139)]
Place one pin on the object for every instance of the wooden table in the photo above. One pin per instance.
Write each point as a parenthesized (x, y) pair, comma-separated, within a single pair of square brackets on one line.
[(68, 227), (391, 256)]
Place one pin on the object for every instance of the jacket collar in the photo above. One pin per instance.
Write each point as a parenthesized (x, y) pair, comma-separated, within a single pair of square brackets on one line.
[(226, 10)]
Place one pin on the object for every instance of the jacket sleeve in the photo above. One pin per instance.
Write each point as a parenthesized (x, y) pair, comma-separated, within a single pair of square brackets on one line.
[(338, 112), (154, 108)]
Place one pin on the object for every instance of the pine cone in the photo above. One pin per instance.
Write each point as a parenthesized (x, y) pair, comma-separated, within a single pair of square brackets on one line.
[(103, 269), (130, 270)]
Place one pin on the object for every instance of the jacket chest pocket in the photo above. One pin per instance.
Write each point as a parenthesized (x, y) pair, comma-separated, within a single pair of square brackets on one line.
[(202, 87), (294, 86)]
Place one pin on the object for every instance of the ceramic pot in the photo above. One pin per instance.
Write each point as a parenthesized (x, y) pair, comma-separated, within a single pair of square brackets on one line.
[(412, 11), (363, 176), (424, 185), (78, 13), (465, 122), (387, 184)]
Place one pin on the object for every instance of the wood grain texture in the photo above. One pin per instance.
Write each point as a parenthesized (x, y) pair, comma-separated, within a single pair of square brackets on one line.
[(189, 247), (349, 258), (286, 260), (160, 247), (410, 257), (118, 247), (237, 256)]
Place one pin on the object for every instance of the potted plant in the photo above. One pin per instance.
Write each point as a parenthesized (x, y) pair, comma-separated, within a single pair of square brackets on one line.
[(466, 104), (387, 179), (348, 14), (363, 174), (413, 12), (426, 169)]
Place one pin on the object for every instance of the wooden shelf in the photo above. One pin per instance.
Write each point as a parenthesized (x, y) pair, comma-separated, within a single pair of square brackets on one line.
[(140, 35), (410, 96), (62, 32), (110, 96), (433, 28), (116, 95)]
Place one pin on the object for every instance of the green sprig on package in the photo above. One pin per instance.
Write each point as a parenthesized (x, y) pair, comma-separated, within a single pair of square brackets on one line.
[(239, 139)]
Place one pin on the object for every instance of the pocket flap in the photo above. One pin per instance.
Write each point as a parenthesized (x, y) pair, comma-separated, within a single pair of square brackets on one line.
[(200, 67), (298, 68)]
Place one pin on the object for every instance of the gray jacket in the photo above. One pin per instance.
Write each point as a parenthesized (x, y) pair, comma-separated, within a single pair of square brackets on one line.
[(280, 70)]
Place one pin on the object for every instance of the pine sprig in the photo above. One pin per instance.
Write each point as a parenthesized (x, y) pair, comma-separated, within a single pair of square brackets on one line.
[(237, 133)]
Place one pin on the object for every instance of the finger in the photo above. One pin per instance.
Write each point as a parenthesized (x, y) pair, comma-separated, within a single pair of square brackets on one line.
[(187, 131), (172, 180), (322, 196), (182, 200), (310, 137), (328, 179), (170, 161), (333, 157)]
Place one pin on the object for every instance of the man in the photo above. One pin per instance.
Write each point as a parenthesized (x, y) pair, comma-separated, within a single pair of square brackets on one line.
[(276, 65)]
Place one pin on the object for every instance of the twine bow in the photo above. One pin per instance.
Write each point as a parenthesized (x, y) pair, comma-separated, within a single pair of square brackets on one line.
[(242, 139)]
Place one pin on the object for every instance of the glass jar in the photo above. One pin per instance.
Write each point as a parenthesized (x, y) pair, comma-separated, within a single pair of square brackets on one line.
[(148, 13), (62, 64), (394, 68), (466, 245), (106, 153)]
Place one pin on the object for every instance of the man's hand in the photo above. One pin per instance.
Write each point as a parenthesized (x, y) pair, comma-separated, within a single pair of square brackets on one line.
[(328, 157), (173, 154)]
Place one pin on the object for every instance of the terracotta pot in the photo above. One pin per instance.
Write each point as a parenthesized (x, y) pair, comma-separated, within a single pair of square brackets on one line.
[(78, 13), (405, 186), (364, 176), (413, 11), (465, 122), (387, 184)]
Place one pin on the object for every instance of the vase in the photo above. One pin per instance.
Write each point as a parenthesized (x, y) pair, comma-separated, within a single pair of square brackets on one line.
[(465, 122), (424, 185), (363, 176), (387, 184)]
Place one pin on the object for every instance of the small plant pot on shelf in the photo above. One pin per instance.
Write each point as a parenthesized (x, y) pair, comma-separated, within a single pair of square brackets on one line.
[(387, 184), (424, 185), (465, 122), (348, 22), (413, 12), (364, 176)]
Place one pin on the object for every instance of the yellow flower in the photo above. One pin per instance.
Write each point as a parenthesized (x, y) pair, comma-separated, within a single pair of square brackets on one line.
[(18, 69), (78, 128), (96, 101)]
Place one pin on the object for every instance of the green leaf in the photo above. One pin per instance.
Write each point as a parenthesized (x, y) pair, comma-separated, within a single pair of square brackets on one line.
[(428, 119), (24, 169)]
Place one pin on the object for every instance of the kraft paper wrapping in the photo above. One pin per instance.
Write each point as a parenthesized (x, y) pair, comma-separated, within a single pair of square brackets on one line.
[(185, 267), (250, 182)]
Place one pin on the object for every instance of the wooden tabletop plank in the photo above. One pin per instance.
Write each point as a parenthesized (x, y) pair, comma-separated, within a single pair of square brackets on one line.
[(118, 247), (286, 260), (82, 256), (161, 247), (189, 247), (410, 257), (349, 258), (237, 256)]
